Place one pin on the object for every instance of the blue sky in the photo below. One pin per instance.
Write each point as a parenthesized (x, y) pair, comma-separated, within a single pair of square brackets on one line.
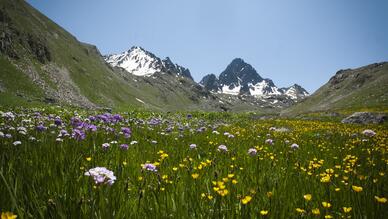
[(298, 41)]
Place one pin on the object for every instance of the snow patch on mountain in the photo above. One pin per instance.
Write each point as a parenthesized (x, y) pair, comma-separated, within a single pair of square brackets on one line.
[(138, 61)]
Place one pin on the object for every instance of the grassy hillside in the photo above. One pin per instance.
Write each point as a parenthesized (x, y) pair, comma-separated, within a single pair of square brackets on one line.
[(349, 90), (42, 62)]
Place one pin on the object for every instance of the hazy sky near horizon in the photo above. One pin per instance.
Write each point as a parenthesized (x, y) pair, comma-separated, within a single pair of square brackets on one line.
[(299, 41)]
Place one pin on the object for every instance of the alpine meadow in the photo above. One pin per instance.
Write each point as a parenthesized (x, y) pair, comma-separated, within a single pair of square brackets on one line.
[(127, 134)]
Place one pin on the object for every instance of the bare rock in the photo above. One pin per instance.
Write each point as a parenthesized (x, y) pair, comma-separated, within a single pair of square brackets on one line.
[(365, 118)]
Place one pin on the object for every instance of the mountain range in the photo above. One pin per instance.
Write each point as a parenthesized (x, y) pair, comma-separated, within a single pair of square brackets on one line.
[(41, 63)]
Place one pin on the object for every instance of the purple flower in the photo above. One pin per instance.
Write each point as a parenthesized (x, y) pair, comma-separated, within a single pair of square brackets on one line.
[(40, 128), (252, 151), (101, 175), (126, 131), (369, 133), (58, 121), (193, 146), (222, 148), (150, 167), (117, 118), (189, 116), (75, 121), (124, 146), (294, 146), (78, 134)]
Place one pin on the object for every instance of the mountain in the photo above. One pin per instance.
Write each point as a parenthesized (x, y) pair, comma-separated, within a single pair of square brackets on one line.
[(349, 90), (240, 78), (140, 62), (41, 63)]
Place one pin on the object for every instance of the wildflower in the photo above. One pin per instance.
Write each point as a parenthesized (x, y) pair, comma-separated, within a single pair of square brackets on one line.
[(315, 211), (88, 159), (246, 199), (307, 197), (328, 216), (58, 121), (222, 148), (252, 151), (223, 192), (195, 175), (40, 128), (347, 209), (101, 175), (300, 210), (369, 133), (133, 142), (17, 143), (8, 215), (269, 194), (357, 188), (326, 204), (78, 134), (263, 212), (325, 179), (124, 146), (294, 146), (381, 200), (105, 146), (193, 146), (150, 167), (126, 131), (269, 141)]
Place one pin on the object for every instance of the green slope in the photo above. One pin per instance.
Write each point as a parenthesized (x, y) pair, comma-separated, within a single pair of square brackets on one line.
[(361, 89), (52, 66)]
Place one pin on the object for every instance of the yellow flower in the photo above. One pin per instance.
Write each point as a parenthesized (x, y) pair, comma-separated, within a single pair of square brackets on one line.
[(316, 211), (357, 188), (337, 189), (203, 195), (195, 175), (325, 179), (307, 197), (174, 168), (300, 210), (125, 163), (269, 194), (246, 199), (381, 200), (347, 209), (234, 181), (230, 175), (223, 192), (140, 178), (210, 197), (263, 212), (326, 204), (328, 216), (8, 215), (88, 158)]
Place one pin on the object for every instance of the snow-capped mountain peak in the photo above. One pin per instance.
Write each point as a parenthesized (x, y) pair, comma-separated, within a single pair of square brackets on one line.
[(140, 62), (240, 78)]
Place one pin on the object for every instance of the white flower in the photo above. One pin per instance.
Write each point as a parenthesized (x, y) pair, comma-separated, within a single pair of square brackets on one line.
[(294, 146), (17, 143), (369, 133), (222, 148)]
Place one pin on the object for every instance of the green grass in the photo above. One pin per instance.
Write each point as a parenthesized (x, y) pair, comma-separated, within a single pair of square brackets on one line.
[(44, 178)]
